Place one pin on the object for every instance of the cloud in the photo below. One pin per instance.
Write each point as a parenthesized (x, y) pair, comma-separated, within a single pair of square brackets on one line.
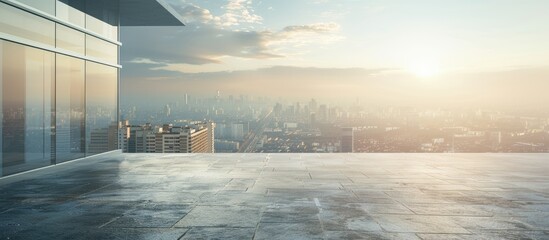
[(208, 40), (314, 28), (193, 13), (206, 45), (215, 39), (299, 39), (144, 61), (196, 46), (239, 11), (303, 35), (236, 13)]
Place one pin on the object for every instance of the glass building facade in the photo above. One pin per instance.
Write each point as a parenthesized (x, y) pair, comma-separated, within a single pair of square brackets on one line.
[(59, 69)]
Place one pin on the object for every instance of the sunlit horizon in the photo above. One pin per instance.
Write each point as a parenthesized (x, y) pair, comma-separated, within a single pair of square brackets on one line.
[(421, 51)]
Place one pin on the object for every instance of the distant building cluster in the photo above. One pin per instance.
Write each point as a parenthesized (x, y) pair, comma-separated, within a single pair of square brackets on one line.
[(250, 124), (196, 137)]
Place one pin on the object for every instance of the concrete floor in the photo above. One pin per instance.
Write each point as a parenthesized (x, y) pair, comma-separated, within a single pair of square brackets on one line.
[(281, 196)]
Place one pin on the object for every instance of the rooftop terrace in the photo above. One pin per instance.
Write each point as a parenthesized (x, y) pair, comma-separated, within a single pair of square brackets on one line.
[(281, 196)]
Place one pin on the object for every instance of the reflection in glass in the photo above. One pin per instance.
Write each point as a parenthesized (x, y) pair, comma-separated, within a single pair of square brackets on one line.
[(27, 86), (101, 50), (22, 24), (101, 105), (47, 6), (70, 107), (102, 28), (70, 39), (1, 105), (70, 14)]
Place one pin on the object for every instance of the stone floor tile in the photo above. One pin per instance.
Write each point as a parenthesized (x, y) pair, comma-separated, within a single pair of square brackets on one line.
[(151, 215), (219, 233), (274, 231), (220, 216), (419, 224), (347, 218), (281, 196), (369, 235)]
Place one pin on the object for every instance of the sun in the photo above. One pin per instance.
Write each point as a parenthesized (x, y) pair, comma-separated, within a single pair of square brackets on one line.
[(424, 68)]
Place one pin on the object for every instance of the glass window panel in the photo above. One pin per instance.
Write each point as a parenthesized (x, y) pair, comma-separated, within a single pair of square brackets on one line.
[(47, 6), (114, 33), (1, 106), (101, 50), (101, 107), (70, 39), (70, 14), (102, 28), (70, 107), (27, 82), (22, 24)]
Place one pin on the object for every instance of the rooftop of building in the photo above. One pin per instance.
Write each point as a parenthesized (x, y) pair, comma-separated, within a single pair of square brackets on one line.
[(281, 196), (148, 13), (132, 12)]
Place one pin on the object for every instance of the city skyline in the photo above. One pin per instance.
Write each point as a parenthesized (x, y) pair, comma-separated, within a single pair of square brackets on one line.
[(249, 124)]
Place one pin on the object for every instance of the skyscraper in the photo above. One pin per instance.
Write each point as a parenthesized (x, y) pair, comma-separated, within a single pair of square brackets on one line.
[(167, 110), (347, 139), (59, 73)]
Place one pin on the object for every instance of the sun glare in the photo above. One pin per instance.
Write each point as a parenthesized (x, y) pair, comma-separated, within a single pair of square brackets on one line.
[(424, 69)]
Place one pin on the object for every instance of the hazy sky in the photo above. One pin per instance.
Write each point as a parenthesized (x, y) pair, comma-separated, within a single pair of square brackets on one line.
[(420, 40)]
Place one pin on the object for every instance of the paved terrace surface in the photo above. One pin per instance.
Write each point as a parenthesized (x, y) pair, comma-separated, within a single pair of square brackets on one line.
[(281, 196)]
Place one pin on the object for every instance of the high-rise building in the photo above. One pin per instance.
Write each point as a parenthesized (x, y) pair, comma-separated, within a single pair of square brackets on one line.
[(59, 73), (168, 142), (195, 138), (139, 139), (211, 137), (103, 139), (167, 110), (123, 132), (347, 139)]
